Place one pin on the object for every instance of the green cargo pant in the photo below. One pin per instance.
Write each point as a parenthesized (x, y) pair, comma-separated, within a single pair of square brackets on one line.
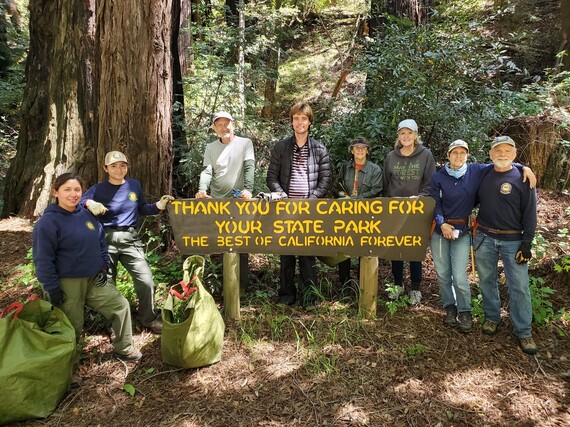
[(106, 300), (126, 247)]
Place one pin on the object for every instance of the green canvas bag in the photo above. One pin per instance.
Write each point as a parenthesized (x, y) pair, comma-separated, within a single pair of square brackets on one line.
[(37, 349), (192, 326)]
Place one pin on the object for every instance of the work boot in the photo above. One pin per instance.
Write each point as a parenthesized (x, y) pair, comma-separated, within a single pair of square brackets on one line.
[(465, 323), (155, 326), (450, 318), (133, 356), (528, 345), (489, 327)]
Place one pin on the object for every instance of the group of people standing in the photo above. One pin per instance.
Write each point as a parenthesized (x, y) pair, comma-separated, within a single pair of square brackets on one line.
[(81, 238), (300, 168)]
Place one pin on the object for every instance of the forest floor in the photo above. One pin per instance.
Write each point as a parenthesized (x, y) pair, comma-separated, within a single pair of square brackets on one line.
[(283, 366)]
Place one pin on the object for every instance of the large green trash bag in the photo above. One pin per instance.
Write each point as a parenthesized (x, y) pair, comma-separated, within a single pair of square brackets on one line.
[(197, 338), (37, 349)]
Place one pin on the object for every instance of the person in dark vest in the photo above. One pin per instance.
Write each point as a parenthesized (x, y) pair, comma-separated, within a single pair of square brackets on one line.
[(300, 169)]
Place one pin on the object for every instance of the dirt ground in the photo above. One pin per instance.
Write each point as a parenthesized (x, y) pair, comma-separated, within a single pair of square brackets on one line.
[(400, 370)]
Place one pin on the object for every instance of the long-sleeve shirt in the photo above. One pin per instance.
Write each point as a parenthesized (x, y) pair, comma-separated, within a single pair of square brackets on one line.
[(125, 203), (67, 244), (507, 203), (406, 176)]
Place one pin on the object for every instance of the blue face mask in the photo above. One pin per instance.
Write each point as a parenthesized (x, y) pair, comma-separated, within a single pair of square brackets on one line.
[(456, 173)]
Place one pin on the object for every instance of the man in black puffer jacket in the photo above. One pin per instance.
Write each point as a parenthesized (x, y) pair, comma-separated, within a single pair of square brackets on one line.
[(300, 168)]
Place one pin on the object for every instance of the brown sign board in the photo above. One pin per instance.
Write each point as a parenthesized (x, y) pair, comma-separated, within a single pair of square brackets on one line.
[(387, 227)]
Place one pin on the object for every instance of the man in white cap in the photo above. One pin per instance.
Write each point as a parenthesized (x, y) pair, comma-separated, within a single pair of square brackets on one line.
[(118, 203), (505, 227), (229, 170)]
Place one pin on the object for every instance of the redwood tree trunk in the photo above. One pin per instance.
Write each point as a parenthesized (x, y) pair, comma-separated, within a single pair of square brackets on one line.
[(57, 110), (565, 24), (99, 78), (135, 76)]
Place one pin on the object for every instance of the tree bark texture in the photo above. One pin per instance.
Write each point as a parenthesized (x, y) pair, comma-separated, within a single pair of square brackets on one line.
[(57, 110), (135, 90), (565, 26), (99, 78), (539, 145)]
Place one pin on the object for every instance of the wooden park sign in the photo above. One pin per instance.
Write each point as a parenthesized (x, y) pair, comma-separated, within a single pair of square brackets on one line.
[(390, 228)]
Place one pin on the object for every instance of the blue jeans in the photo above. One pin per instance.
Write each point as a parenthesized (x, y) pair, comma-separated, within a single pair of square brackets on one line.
[(450, 258), (487, 252)]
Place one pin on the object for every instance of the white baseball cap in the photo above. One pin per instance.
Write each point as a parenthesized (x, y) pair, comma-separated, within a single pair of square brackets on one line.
[(222, 115), (408, 124)]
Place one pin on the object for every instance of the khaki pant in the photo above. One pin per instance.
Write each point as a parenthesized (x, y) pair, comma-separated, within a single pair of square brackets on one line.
[(106, 300)]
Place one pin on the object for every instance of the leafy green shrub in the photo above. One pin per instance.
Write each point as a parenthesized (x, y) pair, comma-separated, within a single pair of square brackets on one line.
[(431, 76), (542, 311)]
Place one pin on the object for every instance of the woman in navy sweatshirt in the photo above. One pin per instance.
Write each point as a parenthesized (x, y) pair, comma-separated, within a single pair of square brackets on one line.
[(71, 259)]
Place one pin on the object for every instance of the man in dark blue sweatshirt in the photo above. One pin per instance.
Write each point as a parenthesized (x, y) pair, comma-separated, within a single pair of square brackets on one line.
[(505, 227)]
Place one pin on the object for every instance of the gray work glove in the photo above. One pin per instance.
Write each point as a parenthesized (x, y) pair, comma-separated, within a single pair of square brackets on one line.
[(272, 197), (95, 208), (164, 200)]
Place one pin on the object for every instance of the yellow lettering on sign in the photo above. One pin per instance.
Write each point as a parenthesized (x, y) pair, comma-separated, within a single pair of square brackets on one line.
[(349, 207), (391, 241), (298, 226), (406, 206), (301, 240), (243, 227), (200, 241), (359, 227), (192, 207), (290, 207), (233, 240), (251, 208)]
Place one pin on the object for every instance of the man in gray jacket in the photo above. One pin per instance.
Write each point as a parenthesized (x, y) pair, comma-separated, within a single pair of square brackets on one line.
[(300, 168)]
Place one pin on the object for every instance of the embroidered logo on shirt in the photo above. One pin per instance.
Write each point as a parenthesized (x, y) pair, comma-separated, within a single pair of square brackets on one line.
[(133, 196), (90, 225), (506, 188)]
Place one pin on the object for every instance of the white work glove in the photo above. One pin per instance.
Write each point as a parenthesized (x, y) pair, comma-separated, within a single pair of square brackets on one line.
[(95, 208), (272, 197), (164, 200)]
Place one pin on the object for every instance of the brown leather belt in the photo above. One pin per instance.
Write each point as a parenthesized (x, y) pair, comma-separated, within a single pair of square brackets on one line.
[(457, 221), (497, 231)]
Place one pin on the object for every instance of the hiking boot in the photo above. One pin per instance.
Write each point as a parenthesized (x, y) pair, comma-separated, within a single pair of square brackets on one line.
[(395, 292), (415, 297), (155, 327), (528, 345), (450, 318), (489, 327), (465, 323), (133, 356)]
